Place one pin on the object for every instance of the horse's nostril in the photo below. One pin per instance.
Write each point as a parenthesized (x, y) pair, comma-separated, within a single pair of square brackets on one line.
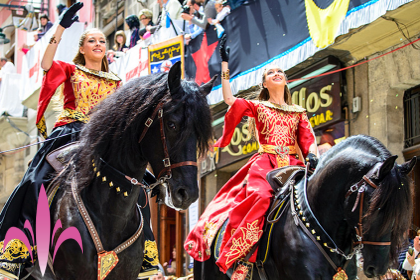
[(182, 194), (370, 271)]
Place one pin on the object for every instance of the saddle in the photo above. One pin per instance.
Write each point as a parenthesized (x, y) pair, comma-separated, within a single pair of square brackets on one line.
[(60, 157)]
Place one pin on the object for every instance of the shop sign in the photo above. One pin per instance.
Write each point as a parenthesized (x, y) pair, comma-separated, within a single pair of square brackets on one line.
[(242, 145), (321, 98)]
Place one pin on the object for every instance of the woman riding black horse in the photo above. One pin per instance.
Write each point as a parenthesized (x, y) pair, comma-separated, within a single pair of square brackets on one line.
[(357, 200), (282, 130), (84, 85)]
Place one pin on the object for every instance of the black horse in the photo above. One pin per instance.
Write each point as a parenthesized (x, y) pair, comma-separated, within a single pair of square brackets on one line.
[(157, 119), (331, 205)]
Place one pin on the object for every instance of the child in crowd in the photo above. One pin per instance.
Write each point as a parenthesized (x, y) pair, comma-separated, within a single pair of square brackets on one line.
[(223, 9)]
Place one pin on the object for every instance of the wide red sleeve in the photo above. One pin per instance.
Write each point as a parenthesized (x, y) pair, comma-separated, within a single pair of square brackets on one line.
[(305, 134), (233, 117), (59, 72)]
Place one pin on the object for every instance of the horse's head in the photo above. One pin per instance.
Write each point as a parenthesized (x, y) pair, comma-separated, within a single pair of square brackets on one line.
[(364, 200), (379, 208), (156, 119), (172, 142)]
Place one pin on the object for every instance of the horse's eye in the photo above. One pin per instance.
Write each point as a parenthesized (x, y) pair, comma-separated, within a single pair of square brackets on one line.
[(171, 125)]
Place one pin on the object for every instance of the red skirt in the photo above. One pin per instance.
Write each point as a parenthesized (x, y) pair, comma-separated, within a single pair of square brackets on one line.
[(244, 199)]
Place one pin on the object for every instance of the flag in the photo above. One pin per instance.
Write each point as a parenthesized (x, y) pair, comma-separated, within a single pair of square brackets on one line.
[(281, 31)]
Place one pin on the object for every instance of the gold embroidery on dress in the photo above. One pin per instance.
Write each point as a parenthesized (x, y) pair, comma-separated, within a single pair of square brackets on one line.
[(287, 108), (243, 244), (209, 232), (151, 252), (240, 273), (89, 90), (279, 128), (102, 74), (42, 127), (15, 249)]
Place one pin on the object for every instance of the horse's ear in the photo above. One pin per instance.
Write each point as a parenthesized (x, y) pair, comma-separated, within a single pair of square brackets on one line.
[(206, 88), (386, 167), (174, 77), (408, 166)]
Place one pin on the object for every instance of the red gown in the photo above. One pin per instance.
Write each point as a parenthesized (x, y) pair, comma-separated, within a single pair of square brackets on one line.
[(245, 198)]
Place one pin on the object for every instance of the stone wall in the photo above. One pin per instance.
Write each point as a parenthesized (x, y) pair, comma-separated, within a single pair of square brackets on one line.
[(381, 84)]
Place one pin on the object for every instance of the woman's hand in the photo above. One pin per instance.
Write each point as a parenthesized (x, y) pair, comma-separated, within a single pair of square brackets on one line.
[(223, 49), (69, 16), (313, 161), (410, 258)]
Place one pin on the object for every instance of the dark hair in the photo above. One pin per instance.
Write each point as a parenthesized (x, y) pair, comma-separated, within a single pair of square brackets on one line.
[(195, 2), (3, 59), (142, 32), (132, 21), (265, 95), (44, 16)]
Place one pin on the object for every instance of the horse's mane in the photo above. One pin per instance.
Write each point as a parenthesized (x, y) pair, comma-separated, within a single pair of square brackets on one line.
[(116, 124), (392, 198)]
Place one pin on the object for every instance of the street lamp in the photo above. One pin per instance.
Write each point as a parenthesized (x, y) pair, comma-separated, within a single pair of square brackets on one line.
[(3, 39)]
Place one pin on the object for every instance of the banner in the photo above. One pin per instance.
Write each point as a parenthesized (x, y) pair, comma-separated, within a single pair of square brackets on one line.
[(134, 63), (276, 31), (163, 55)]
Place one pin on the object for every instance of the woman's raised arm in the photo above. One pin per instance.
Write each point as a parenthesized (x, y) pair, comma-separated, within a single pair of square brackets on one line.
[(224, 54), (69, 17)]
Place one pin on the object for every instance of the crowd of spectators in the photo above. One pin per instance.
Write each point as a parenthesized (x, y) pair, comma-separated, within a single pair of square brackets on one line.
[(197, 16)]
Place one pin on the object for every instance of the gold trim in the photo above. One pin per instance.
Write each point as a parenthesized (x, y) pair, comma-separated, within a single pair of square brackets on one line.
[(106, 262), (147, 273), (106, 75), (15, 249), (151, 252), (8, 274), (287, 108)]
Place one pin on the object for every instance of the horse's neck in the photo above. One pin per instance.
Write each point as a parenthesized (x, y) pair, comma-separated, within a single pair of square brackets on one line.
[(111, 211), (326, 199)]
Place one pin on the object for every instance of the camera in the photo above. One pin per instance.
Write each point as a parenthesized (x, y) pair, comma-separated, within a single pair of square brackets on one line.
[(185, 9)]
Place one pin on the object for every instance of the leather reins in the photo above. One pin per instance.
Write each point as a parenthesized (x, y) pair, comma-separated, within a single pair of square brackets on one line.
[(166, 161), (360, 188)]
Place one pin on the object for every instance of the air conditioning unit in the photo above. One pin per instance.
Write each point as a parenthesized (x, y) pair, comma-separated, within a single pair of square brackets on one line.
[(357, 104)]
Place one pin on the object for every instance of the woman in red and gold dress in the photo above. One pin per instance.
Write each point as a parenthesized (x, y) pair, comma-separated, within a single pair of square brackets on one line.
[(245, 198), (81, 87)]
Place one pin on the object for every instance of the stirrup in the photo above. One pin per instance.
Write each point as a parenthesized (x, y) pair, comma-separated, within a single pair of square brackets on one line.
[(10, 270)]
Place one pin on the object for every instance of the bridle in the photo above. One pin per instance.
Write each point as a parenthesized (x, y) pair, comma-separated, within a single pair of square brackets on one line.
[(167, 170), (360, 187)]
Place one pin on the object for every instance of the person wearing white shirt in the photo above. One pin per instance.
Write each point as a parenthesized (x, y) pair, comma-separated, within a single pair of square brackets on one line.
[(411, 262)]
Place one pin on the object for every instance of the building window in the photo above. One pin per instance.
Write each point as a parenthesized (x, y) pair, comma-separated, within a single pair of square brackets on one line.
[(412, 117)]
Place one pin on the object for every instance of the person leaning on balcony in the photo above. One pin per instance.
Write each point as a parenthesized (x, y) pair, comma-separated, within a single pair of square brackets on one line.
[(133, 23), (46, 25), (84, 84), (169, 7), (278, 125), (209, 12), (145, 17)]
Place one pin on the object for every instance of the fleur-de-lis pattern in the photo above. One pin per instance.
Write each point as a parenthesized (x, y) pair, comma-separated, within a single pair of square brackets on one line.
[(242, 245)]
